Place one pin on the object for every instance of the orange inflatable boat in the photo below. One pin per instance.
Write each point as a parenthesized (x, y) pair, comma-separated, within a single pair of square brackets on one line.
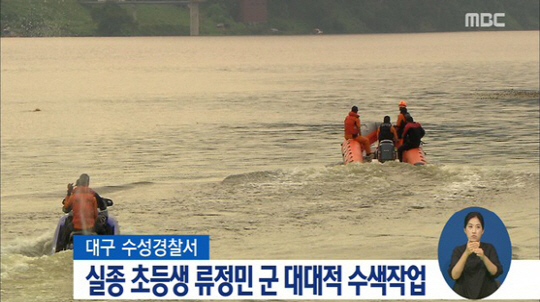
[(415, 157), (352, 150)]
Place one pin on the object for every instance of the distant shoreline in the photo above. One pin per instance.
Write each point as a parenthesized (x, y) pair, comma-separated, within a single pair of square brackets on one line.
[(265, 35), (71, 18)]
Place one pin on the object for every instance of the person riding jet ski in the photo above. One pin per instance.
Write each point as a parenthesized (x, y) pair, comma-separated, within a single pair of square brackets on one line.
[(82, 204)]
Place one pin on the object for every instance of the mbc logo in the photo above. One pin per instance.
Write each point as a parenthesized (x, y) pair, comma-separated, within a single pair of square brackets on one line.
[(483, 20)]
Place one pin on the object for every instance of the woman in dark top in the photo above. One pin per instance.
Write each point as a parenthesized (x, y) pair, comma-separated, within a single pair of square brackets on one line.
[(475, 265)]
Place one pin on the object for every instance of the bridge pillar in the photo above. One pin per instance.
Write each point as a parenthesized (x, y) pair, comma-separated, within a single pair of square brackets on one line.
[(194, 17), (134, 11)]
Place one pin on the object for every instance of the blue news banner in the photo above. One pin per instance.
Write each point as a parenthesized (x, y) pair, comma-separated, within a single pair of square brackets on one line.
[(178, 267)]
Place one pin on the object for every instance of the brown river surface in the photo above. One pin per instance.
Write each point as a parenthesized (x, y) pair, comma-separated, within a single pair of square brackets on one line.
[(239, 138)]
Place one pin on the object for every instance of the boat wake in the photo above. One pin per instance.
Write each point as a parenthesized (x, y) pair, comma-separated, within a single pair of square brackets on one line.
[(30, 247)]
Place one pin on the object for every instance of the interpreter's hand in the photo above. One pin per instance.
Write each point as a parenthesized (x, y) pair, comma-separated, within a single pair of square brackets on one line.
[(480, 253), (472, 246)]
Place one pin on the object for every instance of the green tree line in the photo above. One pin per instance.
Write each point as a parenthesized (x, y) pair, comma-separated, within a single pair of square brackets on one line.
[(221, 17)]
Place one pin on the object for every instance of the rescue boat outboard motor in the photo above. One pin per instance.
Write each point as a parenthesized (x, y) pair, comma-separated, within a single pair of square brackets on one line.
[(386, 151)]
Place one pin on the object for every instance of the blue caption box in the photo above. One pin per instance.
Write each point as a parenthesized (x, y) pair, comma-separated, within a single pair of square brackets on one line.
[(141, 247)]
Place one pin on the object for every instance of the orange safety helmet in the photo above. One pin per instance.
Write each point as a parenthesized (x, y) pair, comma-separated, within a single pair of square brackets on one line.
[(402, 104)]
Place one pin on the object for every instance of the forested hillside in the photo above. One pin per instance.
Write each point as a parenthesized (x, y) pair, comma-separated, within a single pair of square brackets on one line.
[(220, 17)]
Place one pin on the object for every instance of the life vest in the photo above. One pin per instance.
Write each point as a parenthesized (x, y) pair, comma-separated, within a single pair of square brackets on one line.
[(385, 132), (413, 133), (351, 124), (84, 207), (401, 122), (402, 119), (405, 116)]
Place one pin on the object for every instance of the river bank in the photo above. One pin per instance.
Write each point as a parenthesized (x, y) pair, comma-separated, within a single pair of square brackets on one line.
[(68, 18)]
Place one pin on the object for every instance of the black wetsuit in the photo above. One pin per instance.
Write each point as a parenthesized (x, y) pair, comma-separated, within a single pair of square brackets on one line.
[(412, 137)]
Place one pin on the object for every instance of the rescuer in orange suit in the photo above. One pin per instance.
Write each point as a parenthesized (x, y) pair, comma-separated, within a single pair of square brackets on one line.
[(402, 118), (83, 202), (352, 130)]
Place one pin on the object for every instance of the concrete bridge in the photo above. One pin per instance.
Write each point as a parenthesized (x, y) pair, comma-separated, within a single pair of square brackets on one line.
[(193, 8)]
